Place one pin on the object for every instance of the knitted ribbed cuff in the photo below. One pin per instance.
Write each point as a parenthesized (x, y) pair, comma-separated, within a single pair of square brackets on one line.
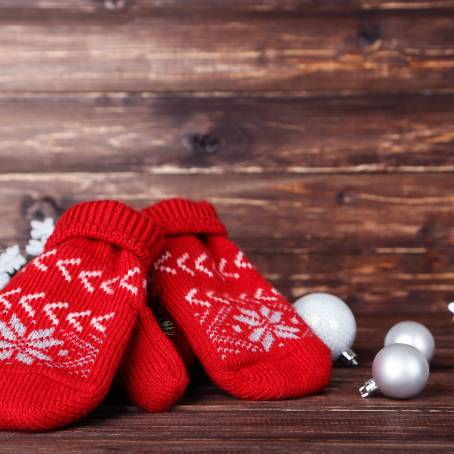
[(113, 222), (181, 216)]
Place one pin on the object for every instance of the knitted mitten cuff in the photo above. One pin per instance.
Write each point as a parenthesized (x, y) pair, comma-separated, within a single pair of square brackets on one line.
[(113, 222), (181, 216)]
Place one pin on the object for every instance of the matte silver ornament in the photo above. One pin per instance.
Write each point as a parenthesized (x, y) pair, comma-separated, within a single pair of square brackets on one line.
[(399, 371), (414, 334)]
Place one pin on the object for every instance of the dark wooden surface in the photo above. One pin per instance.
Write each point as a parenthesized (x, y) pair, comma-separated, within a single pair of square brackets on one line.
[(323, 132), (225, 49), (336, 420)]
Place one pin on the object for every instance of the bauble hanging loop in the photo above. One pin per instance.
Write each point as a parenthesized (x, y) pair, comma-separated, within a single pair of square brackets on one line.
[(332, 321), (399, 371)]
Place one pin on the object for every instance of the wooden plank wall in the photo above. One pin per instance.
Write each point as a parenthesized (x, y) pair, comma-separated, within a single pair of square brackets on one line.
[(322, 130)]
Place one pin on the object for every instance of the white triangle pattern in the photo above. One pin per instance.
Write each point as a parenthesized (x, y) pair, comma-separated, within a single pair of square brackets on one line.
[(86, 277), (106, 286), (124, 283), (26, 299), (62, 266), (6, 303), (96, 321), (38, 262), (73, 319), (49, 311)]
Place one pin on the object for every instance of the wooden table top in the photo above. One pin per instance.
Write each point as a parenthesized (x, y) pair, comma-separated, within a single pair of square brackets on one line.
[(336, 420)]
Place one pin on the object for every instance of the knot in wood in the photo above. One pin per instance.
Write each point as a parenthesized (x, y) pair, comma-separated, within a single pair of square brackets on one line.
[(346, 197), (368, 36), (204, 144), (40, 208)]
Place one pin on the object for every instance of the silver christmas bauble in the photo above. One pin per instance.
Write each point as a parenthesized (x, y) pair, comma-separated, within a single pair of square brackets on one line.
[(414, 334), (332, 321), (399, 371)]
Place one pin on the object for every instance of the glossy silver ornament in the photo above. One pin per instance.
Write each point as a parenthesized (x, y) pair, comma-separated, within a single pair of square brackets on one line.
[(399, 371), (414, 334), (332, 321)]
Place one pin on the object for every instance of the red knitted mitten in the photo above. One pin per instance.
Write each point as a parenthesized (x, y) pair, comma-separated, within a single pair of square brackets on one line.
[(247, 336), (152, 371), (176, 336), (67, 317)]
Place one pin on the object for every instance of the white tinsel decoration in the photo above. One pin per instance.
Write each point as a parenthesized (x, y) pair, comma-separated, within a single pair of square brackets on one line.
[(41, 231), (4, 279), (35, 247), (11, 260)]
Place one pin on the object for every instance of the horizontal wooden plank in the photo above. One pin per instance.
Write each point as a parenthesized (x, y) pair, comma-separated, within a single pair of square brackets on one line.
[(198, 7), (377, 53), (228, 446), (210, 7), (341, 212), (370, 283), (382, 242), (101, 132)]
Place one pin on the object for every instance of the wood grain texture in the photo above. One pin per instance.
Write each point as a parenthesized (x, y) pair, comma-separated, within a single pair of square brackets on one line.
[(383, 242), (101, 132), (209, 7), (134, 51), (321, 130), (336, 420), (315, 212)]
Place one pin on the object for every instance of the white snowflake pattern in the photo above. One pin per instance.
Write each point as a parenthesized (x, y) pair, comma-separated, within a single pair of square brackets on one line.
[(15, 342), (266, 326)]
